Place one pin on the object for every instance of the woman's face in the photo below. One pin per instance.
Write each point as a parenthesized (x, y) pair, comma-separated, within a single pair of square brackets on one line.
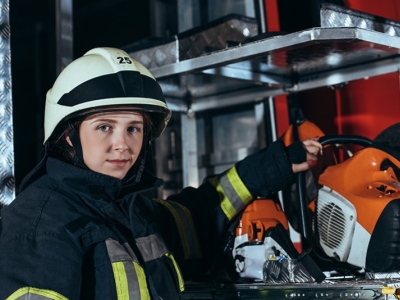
[(111, 142)]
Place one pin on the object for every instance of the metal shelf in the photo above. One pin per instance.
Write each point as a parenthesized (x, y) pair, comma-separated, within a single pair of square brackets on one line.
[(351, 289), (277, 65)]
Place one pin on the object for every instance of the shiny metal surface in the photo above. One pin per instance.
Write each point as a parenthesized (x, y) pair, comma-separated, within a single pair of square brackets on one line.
[(348, 45), (300, 53), (7, 180), (338, 16), (189, 152), (339, 288), (286, 271), (278, 65), (64, 33), (195, 42)]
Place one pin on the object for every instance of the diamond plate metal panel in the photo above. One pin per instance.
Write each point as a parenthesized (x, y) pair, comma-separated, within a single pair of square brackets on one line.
[(197, 41), (338, 16), (7, 181)]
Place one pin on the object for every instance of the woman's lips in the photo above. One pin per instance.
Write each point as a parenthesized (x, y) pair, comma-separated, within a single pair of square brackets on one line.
[(118, 162)]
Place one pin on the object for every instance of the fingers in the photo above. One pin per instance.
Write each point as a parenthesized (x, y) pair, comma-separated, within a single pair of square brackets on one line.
[(303, 166), (313, 148)]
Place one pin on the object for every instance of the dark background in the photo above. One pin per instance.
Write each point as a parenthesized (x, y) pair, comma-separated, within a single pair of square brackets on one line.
[(112, 23)]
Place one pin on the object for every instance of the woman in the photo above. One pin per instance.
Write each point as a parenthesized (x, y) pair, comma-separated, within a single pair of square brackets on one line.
[(81, 227)]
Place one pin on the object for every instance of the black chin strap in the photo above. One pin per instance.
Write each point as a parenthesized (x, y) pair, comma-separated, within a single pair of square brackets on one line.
[(142, 162), (77, 159)]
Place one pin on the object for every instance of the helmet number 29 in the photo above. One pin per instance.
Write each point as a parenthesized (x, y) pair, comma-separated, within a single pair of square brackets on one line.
[(124, 60)]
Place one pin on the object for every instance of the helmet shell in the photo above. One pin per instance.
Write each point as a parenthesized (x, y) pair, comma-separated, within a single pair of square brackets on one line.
[(104, 79)]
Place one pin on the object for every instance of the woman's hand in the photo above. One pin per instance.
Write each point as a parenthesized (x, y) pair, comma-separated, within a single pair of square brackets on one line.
[(312, 148)]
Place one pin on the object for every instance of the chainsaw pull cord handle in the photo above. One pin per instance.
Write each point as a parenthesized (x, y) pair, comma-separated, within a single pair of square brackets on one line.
[(345, 139)]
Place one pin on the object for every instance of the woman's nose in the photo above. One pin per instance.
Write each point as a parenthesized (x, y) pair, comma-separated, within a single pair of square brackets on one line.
[(120, 142)]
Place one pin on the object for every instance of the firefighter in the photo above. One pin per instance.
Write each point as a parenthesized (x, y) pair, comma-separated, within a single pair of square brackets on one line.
[(81, 226)]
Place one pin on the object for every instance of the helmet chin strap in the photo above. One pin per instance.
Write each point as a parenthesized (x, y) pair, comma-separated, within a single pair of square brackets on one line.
[(142, 162), (77, 159)]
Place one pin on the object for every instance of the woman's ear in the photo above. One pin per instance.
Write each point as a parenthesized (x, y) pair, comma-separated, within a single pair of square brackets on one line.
[(66, 135)]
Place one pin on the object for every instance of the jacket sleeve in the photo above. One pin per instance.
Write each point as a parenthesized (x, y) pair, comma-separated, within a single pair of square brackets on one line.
[(37, 264), (212, 207), (270, 169)]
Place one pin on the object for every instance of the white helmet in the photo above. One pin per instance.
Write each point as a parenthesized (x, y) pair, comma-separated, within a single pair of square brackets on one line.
[(104, 79)]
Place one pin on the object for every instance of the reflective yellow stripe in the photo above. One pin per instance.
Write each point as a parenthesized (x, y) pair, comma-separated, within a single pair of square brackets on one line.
[(178, 272), (187, 232), (34, 293), (130, 285), (121, 281), (141, 277), (234, 195), (129, 276)]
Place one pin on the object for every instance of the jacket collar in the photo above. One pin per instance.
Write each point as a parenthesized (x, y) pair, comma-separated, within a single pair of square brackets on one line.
[(98, 186)]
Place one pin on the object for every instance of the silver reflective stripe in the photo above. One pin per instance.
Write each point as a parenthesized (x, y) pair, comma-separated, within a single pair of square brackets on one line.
[(151, 247), (230, 193), (31, 293), (234, 195), (118, 252), (32, 297), (187, 232), (130, 280)]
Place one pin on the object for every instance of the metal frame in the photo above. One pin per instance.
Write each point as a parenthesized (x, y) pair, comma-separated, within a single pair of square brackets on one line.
[(64, 34), (284, 64), (7, 180)]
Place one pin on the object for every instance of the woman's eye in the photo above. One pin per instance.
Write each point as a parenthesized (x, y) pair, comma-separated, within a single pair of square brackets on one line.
[(104, 127), (133, 129)]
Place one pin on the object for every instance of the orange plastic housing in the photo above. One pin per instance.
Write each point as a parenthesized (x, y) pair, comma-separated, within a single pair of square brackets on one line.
[(360, 180), (258, 217)]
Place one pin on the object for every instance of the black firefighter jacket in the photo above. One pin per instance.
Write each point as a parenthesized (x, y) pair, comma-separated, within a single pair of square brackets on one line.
[(77, 234)]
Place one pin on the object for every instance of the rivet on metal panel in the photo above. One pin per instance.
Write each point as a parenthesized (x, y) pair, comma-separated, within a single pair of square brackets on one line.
[(190, 113)]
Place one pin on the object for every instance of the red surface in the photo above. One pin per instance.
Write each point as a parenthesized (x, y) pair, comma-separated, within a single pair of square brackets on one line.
[(272, 15), (369, 106), (362, 107), (281, 107)]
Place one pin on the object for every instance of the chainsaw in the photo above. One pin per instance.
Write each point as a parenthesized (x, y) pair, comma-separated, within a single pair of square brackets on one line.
[(352, 221), (357, 211)]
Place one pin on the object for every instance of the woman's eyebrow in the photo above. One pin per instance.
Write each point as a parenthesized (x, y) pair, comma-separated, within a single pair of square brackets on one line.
[(114, 121)]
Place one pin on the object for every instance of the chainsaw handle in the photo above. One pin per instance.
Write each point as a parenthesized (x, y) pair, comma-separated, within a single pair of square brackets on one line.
[(344, 139)]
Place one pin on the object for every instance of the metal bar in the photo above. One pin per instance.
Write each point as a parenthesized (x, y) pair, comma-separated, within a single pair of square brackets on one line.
[(7, 180), (329, 78), (238, 71), (64, 34), (189, 150), (251, 95), (334, 77), (262, 47), (188, 14), (260, 13)]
